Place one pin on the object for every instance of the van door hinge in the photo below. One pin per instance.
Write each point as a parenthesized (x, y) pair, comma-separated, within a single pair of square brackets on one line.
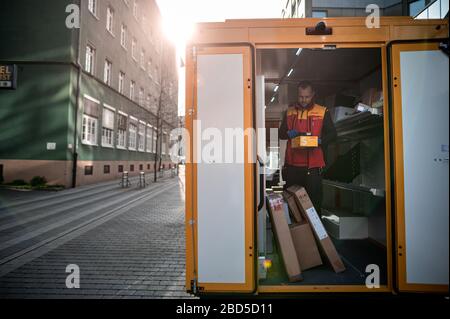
[(194, 286), (191, 222), (444, 46)]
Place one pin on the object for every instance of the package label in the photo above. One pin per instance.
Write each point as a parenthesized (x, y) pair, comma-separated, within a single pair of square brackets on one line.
[(316, 223), (276, 203)]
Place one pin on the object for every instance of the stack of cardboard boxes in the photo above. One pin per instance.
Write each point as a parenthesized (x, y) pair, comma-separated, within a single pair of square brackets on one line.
[(301, 236)]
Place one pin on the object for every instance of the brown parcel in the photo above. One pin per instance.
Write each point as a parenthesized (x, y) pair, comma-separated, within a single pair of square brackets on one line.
[(324, 240), (293, 207), (305, 245), (284, 239)]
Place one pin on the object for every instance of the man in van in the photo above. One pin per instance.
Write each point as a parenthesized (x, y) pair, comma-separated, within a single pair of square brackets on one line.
[(309, 129)]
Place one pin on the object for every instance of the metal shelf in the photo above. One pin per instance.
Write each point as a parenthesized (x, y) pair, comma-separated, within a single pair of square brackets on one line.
[(359, 126), (378, 192)]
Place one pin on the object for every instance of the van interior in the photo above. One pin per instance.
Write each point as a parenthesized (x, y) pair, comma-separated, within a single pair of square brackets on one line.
[(348, 81)]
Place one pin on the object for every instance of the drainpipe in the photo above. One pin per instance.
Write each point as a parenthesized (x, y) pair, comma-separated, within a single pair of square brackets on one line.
[(77, 104)]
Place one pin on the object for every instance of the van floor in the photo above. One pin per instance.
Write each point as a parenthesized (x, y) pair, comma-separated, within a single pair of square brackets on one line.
[(356, 255)]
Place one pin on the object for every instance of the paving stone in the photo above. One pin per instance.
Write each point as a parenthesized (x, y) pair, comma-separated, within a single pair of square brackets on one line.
[(139, 253)]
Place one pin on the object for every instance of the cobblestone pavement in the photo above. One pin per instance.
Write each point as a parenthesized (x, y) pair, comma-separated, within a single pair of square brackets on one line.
[(134, 250)]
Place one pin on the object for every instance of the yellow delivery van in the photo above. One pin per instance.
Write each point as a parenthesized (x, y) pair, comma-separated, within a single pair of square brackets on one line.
[(385, 205)]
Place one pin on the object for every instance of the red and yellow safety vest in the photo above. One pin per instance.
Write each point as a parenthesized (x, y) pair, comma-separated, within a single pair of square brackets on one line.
[(305, 120)]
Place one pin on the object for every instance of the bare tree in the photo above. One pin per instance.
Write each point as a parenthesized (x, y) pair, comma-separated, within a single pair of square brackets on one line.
[(164, 113)]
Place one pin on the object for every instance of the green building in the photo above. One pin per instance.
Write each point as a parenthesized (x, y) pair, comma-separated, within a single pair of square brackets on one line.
[(90, 102)]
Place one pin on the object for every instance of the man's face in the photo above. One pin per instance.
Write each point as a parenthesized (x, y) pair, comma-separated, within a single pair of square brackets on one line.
[(305, 96)]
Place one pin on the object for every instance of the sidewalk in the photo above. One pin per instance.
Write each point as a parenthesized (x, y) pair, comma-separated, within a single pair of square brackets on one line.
[(140, 253)]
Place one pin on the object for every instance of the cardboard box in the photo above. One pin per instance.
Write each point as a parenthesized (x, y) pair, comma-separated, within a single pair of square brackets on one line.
[(305, 141), (372, 97), (305, 246), (343, 225), (293, 208), (325, 243), (284, 239)]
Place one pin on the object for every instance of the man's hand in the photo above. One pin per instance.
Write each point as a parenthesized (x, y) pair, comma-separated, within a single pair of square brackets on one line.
[(293, 133)]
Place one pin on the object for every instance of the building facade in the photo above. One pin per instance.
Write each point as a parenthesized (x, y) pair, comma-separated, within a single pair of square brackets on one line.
[(90, 102), (352, 8)]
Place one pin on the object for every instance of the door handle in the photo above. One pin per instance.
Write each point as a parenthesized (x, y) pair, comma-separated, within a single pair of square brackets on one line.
[(261, 185)]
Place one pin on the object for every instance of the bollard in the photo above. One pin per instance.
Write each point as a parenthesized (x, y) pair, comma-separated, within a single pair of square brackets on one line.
[(142, 182), (125, 182)]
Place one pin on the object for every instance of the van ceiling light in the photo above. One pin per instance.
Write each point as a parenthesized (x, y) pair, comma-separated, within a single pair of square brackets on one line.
[(290, 72), (273, 99), (298, 51), (276, 88)]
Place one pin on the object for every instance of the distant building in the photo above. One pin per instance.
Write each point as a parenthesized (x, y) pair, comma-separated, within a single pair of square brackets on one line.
[(87, 100), (354, 8)]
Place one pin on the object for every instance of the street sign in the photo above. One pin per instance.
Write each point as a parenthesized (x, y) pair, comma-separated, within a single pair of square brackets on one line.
[(8, 76)]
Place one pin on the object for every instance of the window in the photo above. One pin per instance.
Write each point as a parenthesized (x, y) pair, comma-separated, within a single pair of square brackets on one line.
[(89, 170), (107, 72), (154, 141), (106, 169), (141, 96), (121, 82), (135, 8), (149, 139), (132, 86), (108, 127), (148, 166), (170, 89), (90, 58), (141, 167), (142, 59), (131, 168), (89, 130), (132, 137), (133, 49), (141, 137), (92, 7), (109, 19), (164, 144), (157, 74), (120, 168), (319, 14), (415, 7), (121, 131), (123, 35), (149, 69)]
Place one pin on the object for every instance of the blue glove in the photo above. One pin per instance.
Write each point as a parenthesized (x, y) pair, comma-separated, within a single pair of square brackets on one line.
[(292, 134), (320, 141)]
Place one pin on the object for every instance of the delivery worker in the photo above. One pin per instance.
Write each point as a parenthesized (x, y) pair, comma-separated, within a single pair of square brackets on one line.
[(304, 164)]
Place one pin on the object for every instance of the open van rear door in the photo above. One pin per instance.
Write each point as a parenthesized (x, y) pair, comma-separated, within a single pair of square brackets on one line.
[(220, 201), (420, 96)]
